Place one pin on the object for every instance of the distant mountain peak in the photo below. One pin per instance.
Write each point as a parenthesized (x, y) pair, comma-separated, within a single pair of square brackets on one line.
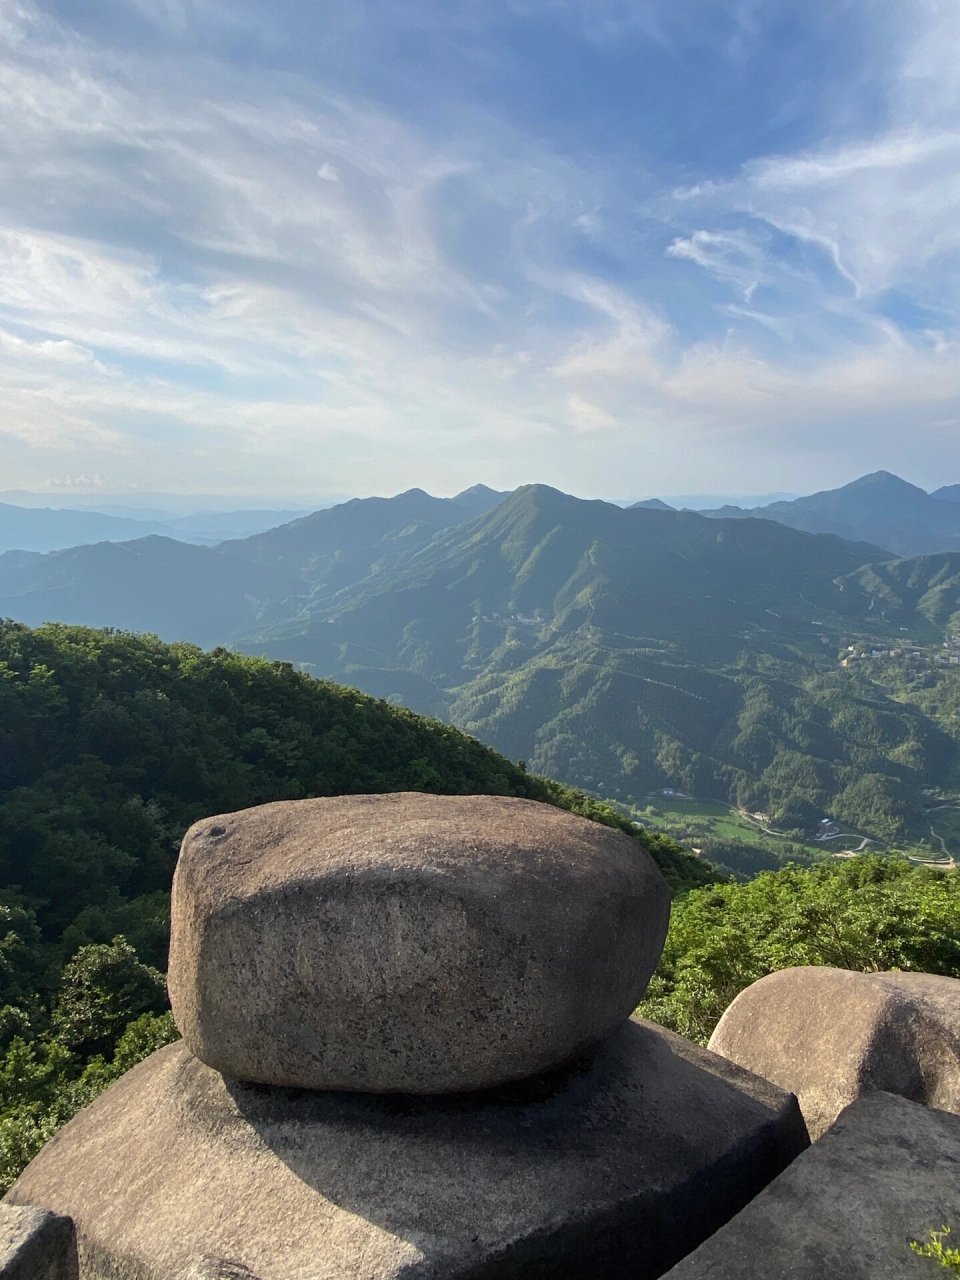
[(478, 491), (541, 496), (478, 499), (879, 508), (884, 480)]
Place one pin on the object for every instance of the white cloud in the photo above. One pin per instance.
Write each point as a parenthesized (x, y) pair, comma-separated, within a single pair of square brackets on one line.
[(884, 211), (880, 205), (587, 416), (202, 265), (40, 352), (731, 255)]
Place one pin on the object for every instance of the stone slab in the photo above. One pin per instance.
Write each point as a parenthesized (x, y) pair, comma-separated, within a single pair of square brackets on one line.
[(611, 1168), (886, 1173), (36, 1244)]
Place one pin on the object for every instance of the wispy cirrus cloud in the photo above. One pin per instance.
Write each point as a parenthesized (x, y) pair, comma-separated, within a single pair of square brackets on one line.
[(218, 259)]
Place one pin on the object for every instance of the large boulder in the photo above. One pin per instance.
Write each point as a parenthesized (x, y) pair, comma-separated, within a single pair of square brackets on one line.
[(830, 1035), (411, 943), (886, 1173), (612, 1167)]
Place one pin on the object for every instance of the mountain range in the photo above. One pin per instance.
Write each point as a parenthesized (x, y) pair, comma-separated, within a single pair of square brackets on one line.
[(617, 649), (879, 508)]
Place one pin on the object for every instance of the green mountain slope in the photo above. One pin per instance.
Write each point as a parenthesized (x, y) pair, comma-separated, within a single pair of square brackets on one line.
[(905, 591), (664, 576), (208, 595), (174, 589), (338, 546), (622, 650), (628, 650)]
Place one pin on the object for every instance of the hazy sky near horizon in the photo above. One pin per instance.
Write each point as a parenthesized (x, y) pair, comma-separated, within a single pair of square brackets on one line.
[(619, 246)]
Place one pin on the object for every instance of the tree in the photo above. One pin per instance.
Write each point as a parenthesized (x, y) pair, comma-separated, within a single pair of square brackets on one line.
[(104, 987)]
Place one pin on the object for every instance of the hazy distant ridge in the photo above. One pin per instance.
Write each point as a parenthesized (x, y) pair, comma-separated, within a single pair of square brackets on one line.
[(879, 508)]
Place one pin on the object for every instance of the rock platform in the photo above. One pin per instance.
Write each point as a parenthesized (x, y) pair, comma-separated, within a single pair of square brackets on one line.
[(609, 1169)]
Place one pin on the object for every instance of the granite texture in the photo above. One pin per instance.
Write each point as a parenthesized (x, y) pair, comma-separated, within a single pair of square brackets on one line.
[(407, 943), (886, 1173), (608, 1169), (830, 1035)]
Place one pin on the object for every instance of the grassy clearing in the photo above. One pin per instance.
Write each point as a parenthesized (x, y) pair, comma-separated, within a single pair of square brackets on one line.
[(713, 818), (735, 842)]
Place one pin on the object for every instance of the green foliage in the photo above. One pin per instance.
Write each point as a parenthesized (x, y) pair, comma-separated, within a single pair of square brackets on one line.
[(108, 1012), (22, 969), (43, 1084), (933, 1247), (869, 914), (103, 988)]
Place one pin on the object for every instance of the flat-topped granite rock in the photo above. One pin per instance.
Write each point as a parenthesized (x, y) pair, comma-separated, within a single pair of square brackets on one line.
[(830, 1035), (610, 1169), (412, 943)]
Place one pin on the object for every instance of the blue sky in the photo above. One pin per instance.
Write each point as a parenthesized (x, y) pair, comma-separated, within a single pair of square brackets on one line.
[(622, 248)]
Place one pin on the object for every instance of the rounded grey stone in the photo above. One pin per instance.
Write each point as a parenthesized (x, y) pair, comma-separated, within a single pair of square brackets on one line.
[(407, 942), (831, 1035)]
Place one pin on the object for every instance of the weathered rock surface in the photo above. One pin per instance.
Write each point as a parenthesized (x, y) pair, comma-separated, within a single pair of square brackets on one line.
[(611, 1168), (887, 1173), (410, 942), (829, 1035), (36, 1245), (208, 1268)]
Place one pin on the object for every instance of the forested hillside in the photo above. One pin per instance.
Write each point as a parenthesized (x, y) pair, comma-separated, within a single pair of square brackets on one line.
[(630, 650)]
